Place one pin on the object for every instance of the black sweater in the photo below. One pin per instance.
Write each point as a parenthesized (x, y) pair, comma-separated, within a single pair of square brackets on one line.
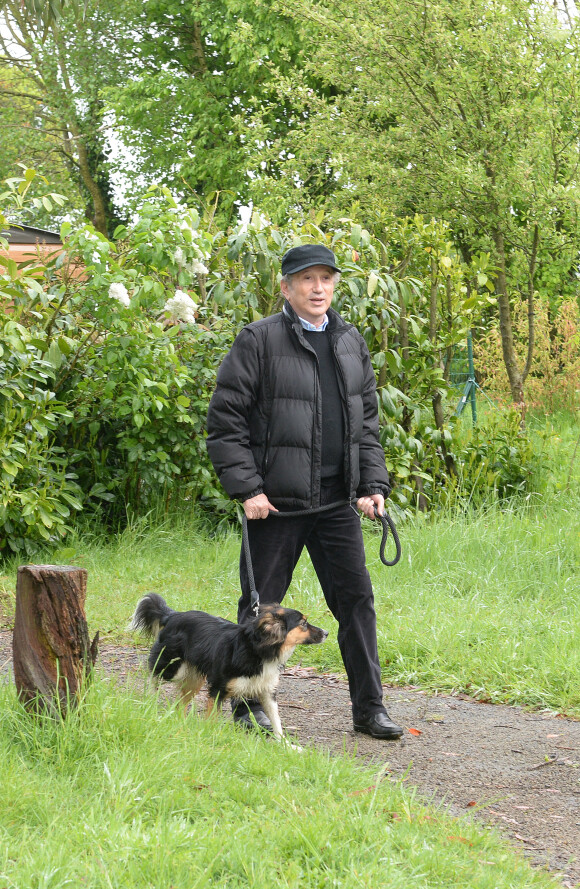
[(332, 448)]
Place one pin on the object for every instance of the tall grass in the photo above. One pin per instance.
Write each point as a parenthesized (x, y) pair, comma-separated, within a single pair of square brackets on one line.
[(127, 794), (486, 600)]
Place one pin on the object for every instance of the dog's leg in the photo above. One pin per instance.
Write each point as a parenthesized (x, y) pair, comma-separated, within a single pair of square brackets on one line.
[(271, 710), (213, 706), (190, 685), (153, 682)]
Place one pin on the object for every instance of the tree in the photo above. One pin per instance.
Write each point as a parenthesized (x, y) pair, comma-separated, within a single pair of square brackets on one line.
[(186, 90), (58, 74), (25, 141), (466, 111), (47, 14), (204, 95)]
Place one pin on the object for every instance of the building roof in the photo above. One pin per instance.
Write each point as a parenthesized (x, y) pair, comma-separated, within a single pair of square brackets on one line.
[(28, 234)]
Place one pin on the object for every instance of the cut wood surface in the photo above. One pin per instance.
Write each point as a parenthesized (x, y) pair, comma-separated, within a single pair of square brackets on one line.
[(52, 652)]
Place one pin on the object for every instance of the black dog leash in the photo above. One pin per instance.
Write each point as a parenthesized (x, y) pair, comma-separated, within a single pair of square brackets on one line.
[(386, 522)]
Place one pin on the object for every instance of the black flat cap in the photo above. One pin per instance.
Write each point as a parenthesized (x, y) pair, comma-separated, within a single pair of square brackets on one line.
[(298, 258)]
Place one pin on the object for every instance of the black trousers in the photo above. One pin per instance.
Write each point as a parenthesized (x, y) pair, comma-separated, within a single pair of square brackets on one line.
[(334, 542)]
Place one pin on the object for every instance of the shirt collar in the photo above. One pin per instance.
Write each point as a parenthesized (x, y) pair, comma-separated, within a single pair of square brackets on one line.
[(308, 326), (288, 310)]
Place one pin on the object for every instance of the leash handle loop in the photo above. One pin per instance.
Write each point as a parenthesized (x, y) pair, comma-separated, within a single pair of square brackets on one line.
[(387, 524)]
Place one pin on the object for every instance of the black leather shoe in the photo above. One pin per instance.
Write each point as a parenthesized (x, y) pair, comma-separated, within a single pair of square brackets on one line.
[(378, 725), (253, 720)]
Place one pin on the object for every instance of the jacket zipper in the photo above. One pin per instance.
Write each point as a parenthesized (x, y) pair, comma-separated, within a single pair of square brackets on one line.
[(314, 424), (347, 431)]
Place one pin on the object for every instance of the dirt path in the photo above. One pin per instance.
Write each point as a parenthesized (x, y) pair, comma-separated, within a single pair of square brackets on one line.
[(502, 765)]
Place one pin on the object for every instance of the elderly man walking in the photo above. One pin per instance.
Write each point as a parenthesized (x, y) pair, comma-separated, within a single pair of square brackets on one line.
[(293, 427)]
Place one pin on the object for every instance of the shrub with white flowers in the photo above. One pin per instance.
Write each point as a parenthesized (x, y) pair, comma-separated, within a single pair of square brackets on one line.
[(198, 268), (181, 307), (119, 292)]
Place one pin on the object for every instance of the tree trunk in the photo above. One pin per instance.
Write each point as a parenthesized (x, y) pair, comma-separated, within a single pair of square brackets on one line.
[(52, 653), (403, 328), (505, 324), (99, 217), (433, 301), (437, 398), (404, 350), (383, 371), (531, 314)]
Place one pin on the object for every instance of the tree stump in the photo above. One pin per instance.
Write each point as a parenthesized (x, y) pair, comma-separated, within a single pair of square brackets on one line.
[(52, 654)]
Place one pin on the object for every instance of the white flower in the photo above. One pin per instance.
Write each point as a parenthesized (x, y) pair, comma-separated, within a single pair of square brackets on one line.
[(119, 292), (198, 268), (181, 307), (185, 299), (179, 256), (186, 226)]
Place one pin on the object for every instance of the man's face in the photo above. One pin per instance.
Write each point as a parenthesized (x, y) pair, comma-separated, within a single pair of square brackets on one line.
[(310, 292)]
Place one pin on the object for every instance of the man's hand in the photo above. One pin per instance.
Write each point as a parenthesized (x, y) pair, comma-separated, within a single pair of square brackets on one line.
[(258, 507), (367, 504)]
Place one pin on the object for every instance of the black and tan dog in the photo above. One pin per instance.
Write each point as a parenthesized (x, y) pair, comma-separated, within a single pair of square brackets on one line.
[(236, 660)]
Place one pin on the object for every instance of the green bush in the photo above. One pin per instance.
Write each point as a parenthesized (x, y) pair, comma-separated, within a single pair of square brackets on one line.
[(37, 489), (111, 348), (495, 459)]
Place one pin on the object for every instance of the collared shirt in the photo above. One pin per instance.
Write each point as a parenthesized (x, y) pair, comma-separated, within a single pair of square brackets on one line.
[(308, 326)]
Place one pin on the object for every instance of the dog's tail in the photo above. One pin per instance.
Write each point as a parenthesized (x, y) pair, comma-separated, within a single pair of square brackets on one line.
[(150, 615)]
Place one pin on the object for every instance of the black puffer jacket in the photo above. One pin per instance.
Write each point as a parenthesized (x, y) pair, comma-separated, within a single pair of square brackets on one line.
[(265, 416)]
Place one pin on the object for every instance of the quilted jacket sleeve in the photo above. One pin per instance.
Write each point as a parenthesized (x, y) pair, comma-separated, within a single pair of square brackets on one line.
[(228, 439)]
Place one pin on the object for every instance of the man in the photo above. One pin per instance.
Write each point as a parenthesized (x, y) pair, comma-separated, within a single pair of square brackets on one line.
[(293, 426)]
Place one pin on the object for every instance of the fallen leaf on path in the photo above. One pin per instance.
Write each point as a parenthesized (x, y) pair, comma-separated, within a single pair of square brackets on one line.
[(299, 671), (415, 731)]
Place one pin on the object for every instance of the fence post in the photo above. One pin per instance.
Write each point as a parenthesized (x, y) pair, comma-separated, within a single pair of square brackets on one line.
[(52, 653), (470, 385)]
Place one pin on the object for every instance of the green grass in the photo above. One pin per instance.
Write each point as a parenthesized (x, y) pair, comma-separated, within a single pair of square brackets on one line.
[(488, 603), (127, 794), (485, 602)]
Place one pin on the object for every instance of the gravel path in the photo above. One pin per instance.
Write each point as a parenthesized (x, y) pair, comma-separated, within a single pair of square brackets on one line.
[(516, 769)]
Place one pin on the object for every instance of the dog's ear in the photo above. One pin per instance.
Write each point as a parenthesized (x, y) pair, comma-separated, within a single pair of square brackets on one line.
[(271, 626)]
